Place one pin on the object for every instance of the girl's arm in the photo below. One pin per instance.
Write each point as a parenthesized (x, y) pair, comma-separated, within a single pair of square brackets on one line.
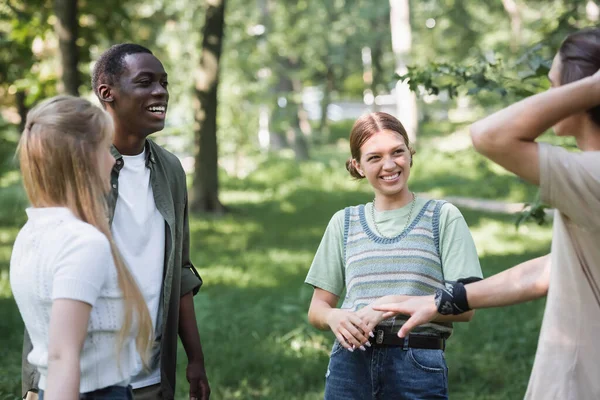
[(67, 332), (348, 328)]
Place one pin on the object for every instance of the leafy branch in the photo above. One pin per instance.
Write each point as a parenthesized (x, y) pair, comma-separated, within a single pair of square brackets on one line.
[(525, 77)]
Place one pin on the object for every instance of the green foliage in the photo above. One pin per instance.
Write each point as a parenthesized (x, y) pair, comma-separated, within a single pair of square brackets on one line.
[(524, 78), (514, 71), (340, 130), (534, 211)]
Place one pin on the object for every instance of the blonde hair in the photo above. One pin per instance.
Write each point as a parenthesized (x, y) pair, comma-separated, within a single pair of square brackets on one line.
[(58, 158)]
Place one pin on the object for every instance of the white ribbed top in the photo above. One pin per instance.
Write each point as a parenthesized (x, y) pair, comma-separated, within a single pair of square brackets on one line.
[(57, 256)]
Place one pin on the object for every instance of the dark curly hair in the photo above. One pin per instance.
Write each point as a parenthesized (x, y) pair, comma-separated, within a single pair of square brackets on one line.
[(109, 66)]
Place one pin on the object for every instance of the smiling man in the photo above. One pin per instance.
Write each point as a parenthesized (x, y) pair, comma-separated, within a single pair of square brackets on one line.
[(149, 217)]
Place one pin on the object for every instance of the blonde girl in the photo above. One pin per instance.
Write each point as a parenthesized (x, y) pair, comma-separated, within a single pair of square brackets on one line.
[(81, 306)]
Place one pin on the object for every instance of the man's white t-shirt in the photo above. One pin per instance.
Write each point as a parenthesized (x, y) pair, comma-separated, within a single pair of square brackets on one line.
[(567, 362), (139, 233)]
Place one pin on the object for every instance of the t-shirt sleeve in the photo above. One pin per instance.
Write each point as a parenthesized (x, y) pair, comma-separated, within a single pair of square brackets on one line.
[(458, 251), (570, 182), (81, 268), (327, 269)]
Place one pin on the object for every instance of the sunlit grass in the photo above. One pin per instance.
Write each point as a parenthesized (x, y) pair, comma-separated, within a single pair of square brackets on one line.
[(494, 237)]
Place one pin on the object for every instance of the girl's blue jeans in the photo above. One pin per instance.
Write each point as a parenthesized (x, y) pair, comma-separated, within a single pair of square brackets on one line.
[(386, 373), (107, 393)]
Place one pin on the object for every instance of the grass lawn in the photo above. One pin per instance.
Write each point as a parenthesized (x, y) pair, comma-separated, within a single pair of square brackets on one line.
[(252, 308)]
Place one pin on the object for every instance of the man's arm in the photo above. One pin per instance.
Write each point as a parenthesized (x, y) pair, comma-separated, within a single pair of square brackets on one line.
[(190, 338), (507, 137), (188, 327), (190, 279), (524, 282)]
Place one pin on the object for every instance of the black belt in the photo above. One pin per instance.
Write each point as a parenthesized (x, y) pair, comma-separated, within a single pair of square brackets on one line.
[(386, 338)]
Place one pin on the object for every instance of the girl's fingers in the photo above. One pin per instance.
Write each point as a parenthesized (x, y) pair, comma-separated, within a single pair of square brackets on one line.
[(350, 339), (360, 324), (342, 341)]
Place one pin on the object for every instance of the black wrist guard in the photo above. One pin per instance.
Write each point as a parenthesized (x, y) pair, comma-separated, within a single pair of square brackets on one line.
[(452, 299)]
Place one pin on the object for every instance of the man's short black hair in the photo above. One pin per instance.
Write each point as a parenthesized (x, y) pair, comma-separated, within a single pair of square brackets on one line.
[(109, 66)]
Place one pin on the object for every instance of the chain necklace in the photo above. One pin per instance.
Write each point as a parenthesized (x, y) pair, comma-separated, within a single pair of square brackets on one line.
[(412, 206)]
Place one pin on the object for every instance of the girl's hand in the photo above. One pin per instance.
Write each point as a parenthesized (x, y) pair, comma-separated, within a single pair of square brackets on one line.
[(349, 329), (370, 316)]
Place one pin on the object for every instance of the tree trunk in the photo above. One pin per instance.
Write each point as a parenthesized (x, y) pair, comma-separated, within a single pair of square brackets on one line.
[(66, 29), (294, 134), (406, 102), (368, 92), (205, 188), (303, 121), (327, 89), (376, 54), (21, 108)]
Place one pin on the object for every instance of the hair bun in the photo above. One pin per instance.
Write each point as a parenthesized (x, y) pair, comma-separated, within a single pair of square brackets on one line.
[(352, 169)]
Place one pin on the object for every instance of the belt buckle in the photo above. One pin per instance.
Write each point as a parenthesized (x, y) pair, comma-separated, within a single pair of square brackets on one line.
[(379, 337)]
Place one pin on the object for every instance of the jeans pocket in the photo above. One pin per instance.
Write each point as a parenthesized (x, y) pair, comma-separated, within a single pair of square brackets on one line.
[(336, 348), (428, 360)]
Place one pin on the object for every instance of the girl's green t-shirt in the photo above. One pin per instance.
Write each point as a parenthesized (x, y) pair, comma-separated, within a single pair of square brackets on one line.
[(458, 252)]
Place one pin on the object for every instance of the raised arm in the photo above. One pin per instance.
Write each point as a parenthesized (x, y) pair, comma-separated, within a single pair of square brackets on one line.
[(507, 137)]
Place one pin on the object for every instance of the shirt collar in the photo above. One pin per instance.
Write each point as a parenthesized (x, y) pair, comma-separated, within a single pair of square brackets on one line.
[(119, 157)]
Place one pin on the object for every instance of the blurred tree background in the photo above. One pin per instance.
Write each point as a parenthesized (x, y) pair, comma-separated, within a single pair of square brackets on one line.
[(263, 96)]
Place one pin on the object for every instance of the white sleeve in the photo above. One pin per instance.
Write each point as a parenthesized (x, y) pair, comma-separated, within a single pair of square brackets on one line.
[(81, 267), (570, 182)]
